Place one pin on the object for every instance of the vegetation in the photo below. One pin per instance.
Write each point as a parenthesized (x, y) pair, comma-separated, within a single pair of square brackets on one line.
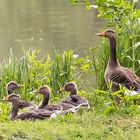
[(87, 126), (104, 120), (123, 16), (102, 112)]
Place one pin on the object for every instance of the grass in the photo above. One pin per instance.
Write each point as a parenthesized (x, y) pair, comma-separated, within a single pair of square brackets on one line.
[(33, 70), (104, 120), (87, 126)]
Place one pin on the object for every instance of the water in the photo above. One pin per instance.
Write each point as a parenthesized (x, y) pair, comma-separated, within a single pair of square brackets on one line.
[(45, 25)]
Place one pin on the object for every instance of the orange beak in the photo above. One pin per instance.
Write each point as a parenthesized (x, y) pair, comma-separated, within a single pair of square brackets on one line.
[(19, 86), (101, 34), (62, 89), (5, 98), (35, 91)]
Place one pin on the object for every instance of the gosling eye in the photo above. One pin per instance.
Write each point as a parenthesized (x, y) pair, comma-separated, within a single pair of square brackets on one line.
[(109, 31)]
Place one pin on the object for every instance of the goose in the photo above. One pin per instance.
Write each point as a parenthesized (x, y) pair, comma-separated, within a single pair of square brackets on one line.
[(74, 98), (67, 105), (11, 86), (44, 104), (117, 74), (33, 114)]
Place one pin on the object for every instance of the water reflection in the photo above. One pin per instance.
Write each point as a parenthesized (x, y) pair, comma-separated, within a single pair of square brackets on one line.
[(45, 25)]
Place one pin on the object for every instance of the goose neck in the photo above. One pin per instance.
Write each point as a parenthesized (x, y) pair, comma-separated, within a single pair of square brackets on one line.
[(45, 100), (74, 92), (15, 108), (112, 57)]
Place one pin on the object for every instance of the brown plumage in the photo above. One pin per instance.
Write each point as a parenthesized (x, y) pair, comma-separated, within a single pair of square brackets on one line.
[(74, 98), (34, 114), (27, 105), (45, 92), (11, 86), (44, 104), (114, 72)]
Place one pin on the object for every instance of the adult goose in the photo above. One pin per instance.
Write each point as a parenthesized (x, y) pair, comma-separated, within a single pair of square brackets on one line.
[(11, 86), (74, 98), (33, 114), (114, 72), (44, 104)]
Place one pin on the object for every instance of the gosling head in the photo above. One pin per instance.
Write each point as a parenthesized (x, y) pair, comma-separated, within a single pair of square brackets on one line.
[(13, 98), (70, 87), (108, 33), (12, 85), (43, 90)]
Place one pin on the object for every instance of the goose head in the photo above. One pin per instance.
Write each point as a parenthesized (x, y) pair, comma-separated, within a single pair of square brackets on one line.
[(108, 33), (44, 90), (12, 85), (13, 98), (70, 87)]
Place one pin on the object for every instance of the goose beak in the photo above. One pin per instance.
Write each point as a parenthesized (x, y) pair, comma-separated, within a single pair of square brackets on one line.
[(101, 34), (5, 98), (35, 91), (19, 86), (62, 89)]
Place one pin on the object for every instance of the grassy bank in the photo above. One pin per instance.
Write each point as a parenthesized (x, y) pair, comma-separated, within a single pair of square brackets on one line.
[(104, 120), (87, 126)]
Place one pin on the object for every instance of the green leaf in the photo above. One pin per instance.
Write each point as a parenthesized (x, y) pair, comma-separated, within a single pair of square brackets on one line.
[(138, 12)]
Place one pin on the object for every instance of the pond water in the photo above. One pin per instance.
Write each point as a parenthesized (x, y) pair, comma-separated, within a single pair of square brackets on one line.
[(45, 25)]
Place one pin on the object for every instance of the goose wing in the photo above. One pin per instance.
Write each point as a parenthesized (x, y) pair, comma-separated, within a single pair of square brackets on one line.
[(26, 104), (126, 78), (53, 107), (79, 100), (38, 114), (75, 100), (66, 100)]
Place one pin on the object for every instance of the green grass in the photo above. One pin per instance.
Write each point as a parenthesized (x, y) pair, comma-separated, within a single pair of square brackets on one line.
[(33, 70), (87, 126), (104, 120)]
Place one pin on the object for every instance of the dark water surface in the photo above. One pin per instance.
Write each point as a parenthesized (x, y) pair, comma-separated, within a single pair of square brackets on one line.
[(46, 24)]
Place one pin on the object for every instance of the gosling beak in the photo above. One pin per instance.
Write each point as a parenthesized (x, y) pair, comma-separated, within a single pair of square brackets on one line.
[(5, 98), (19, 86), (101, 34), (35, 91), (62, 89)]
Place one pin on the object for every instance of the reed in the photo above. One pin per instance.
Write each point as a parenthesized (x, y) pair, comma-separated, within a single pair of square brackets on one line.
[(62, 69), (123, 16), (33, 70)]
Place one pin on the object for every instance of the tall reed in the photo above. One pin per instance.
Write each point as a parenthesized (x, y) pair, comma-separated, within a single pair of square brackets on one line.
[(33, 70), (62, 69)]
